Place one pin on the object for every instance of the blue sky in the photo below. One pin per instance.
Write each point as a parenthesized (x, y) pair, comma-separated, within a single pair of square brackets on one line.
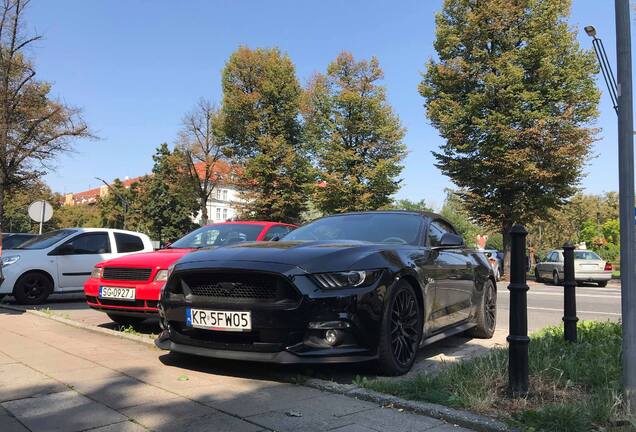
[(136, 67)]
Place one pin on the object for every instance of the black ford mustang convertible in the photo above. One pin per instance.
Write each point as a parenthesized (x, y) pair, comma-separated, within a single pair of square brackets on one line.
[(343, 288)]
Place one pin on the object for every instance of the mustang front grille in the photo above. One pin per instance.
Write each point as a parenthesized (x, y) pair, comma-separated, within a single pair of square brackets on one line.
[(260, 287), (125, 273)]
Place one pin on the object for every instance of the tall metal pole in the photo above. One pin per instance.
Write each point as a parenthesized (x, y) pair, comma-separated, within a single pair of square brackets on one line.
[(518, 326), (626, 197)]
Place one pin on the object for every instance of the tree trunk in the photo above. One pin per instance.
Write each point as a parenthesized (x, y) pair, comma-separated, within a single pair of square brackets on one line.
[(507, 248), (204, 210), (2, 191)]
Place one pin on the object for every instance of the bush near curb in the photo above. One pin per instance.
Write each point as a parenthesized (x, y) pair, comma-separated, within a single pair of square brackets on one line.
[(573, 387)]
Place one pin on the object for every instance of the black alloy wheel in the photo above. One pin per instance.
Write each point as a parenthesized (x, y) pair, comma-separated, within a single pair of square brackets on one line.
[(32, 288), (486, 315), (537, 276), (401, 332)]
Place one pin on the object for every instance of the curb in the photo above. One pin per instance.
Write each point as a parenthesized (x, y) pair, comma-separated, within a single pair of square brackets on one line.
[(76, 324), (450, 415)]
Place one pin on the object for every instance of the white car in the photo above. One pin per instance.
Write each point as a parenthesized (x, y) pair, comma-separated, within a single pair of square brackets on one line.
[(60, 261)]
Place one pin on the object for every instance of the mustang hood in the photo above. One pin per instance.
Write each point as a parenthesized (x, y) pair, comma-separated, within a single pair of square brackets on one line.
[(310, 256)]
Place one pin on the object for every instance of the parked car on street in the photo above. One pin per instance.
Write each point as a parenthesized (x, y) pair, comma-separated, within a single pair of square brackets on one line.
[(127, 288), (345, 288), (11, 240), (495, 258), (588, 267), (60, 261)]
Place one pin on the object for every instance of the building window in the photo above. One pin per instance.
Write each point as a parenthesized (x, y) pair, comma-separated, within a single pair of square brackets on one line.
[(224, 214), (218, 213), (218, 194), (224, 194)]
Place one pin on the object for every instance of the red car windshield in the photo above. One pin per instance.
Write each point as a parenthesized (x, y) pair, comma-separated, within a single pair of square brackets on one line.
[(218, 235)]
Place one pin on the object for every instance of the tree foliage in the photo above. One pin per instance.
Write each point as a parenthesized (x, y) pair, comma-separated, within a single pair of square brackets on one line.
[(34, 128), (17, 202), (356, 137), (166, 201), (408, 205), (513, 95), (261, 107)]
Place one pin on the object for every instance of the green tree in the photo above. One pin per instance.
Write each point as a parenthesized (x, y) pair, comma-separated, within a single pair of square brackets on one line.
[(116, 209), (166, 200), (407, 204), (81, 215), (261, 103), (356, 137), (17, 203), (513, 95), (455, 211)]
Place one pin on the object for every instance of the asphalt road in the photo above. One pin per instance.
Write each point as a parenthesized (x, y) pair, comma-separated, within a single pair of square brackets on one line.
[(545, 304)]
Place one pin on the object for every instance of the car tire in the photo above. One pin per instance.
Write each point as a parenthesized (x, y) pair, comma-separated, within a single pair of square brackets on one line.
[(537, 278), (126, 320), (555, 278), (602, 284), (32, 288), (401, 330), (486, 316)]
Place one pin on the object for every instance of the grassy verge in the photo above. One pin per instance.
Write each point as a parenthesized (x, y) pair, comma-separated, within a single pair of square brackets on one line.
[(573, 387)]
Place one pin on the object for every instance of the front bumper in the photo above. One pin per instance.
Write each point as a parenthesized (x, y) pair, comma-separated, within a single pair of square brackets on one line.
[(144, 305), (283, 331)]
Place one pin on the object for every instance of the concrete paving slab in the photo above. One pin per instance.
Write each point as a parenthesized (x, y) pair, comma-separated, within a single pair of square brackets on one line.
[(125, 426), (66, 411), (121, 391), (18, 381), (353, 428), (258, 401), (393, 420), (157, 415), (10, 424), (5, 359), (317, 414), (448, 428)]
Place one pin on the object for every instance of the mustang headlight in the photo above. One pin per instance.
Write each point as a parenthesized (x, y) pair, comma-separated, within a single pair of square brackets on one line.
[(347, 279), (10, 260), (97, 273)]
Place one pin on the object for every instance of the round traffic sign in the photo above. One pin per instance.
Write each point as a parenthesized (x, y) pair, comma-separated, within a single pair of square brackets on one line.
[(40, 211)]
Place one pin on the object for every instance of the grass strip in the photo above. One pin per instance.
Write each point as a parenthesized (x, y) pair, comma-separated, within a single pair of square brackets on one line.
[(573, 386)]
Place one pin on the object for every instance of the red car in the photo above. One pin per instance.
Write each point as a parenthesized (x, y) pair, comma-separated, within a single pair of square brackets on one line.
[(128, 288)]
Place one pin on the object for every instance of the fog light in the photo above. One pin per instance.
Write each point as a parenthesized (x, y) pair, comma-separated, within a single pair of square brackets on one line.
[(333, 337)]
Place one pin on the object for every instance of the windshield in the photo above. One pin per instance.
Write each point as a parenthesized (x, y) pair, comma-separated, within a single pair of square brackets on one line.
[(45, 240), (400, 228), (219, 235), (586, 255)]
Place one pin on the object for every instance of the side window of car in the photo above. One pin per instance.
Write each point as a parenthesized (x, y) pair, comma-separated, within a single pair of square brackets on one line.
[(552, 257), (87, 244), (128, 243), (276, 231), (435, 232)]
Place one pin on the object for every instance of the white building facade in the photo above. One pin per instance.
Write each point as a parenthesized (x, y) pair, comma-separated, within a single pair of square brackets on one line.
[(222, 205)]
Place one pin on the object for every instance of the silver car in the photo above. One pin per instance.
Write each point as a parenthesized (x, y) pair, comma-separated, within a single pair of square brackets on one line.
[(588, 267)]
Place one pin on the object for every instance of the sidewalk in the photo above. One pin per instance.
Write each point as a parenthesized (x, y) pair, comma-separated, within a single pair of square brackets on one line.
[(54, 377)]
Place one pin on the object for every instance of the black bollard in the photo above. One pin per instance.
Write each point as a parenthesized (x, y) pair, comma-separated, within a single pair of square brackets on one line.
[(518, 338), (569, 293)]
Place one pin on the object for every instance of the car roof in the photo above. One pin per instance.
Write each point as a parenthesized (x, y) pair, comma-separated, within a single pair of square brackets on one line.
[(249, 222), (425, 214), (115, 230)]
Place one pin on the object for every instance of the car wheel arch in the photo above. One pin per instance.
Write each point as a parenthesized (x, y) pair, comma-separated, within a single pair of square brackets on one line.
[(44, 272), (416, 287)]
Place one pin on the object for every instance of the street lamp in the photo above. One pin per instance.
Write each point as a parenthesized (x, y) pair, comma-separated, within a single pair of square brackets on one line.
[(621, 93), (604, 63), (123, 200)]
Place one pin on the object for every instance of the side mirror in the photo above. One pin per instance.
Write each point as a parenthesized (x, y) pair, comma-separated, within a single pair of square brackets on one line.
[(449, 240)]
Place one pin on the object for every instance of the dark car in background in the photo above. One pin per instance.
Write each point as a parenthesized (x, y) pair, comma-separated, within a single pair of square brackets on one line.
[(343, 288)]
